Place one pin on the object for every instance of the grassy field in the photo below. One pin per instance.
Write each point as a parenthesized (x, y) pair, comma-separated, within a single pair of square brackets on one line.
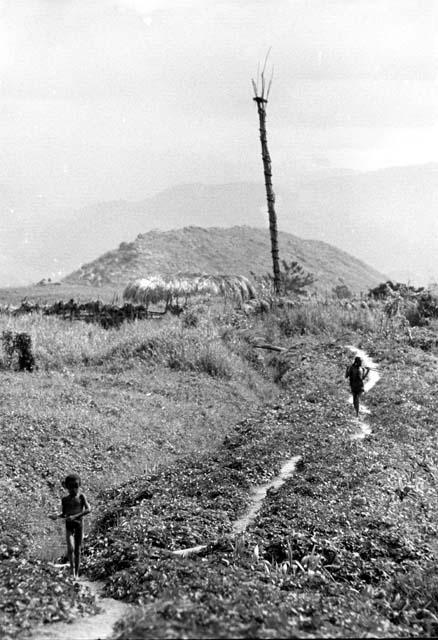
[(171, 424)]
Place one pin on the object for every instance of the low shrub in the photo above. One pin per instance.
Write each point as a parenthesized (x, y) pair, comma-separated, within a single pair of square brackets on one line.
[(190, 318), (414, 593), (17, 348), (341, 291)]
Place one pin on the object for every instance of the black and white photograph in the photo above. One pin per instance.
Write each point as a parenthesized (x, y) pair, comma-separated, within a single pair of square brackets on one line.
[(218, 319)]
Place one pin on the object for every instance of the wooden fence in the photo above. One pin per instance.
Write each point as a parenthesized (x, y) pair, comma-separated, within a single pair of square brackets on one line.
[(107, 315)]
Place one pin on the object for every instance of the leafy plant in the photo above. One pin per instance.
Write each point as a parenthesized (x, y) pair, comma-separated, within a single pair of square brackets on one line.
[(21, 345)]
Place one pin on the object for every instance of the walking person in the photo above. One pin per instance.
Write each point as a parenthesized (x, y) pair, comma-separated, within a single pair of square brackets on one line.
[(74, 507), (356, 373)]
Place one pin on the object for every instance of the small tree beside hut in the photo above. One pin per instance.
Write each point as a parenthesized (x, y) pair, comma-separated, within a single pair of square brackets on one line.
[(295, 282)]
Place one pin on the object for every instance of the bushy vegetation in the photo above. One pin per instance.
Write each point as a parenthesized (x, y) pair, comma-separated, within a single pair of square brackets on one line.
[(416, 304), (20, 346), (328, 317), (176, 420)]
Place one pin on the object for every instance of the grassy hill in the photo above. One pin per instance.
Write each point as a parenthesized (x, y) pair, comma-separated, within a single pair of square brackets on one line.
[(384, 217), (239, 249)]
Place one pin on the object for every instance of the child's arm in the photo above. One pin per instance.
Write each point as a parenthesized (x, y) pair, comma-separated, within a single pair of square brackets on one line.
[(367, 370), (55, 516), (347, 371)]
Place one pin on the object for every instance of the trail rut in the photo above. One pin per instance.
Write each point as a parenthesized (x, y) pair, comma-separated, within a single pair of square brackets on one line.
[(97, 627)]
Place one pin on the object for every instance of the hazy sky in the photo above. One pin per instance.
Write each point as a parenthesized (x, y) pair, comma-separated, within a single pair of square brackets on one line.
[(109, 99)]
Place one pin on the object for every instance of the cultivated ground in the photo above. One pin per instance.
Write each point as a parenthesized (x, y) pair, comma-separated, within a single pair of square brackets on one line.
[(172, 426)]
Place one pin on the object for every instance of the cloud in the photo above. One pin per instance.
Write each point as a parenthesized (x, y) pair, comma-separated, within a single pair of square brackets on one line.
[(93, 84)]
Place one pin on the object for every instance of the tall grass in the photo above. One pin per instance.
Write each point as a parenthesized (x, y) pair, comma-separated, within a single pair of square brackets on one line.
[(211, 345), (324, 317), (58, 344), (329, 316)]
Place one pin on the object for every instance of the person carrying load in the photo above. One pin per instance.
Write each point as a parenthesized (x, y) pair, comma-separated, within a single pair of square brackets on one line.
[(356, 374)]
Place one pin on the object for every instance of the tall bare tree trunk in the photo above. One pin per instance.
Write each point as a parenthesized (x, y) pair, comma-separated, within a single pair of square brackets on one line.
[(270, 196)]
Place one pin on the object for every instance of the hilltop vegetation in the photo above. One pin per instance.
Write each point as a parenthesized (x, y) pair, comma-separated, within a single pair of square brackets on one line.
[(237, 250)]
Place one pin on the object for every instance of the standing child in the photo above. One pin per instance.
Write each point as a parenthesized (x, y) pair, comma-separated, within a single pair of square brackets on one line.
[(74, 507), (357, 374)]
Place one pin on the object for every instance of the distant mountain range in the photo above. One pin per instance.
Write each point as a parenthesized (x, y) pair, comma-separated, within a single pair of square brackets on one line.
[(386, 218), (236, 250)]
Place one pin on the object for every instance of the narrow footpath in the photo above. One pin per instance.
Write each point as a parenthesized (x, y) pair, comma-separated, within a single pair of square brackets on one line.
[(98, 627)]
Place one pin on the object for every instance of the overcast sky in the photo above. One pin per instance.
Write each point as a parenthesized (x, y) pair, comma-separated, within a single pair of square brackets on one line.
[(109, 99)]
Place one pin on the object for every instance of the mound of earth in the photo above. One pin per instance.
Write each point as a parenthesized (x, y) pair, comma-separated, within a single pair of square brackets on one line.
[(239, 250)]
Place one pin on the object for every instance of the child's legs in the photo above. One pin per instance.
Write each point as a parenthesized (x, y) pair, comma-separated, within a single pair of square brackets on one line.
[(70, 539), (78, 538)]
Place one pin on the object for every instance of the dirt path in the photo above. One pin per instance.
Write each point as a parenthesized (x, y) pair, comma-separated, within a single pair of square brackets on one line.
[(259, 493), (96, 627)]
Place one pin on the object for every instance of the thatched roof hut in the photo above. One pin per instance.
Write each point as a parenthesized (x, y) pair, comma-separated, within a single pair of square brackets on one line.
[(168, 289)]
